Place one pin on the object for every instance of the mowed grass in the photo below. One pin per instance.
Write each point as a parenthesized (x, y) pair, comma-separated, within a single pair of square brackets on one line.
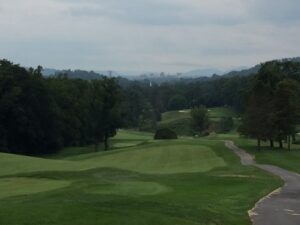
[(162, 158), (289, 160), (184, 182), (181, 122), (178, 121), (129, 188), (217, 113), (124, 138), (25, 186)]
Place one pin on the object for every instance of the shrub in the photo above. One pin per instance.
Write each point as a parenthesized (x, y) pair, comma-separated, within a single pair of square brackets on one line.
[(200, 118), (225, 125), (165, 133)]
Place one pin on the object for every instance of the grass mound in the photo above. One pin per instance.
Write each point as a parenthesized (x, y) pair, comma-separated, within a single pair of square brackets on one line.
[(162, 158), (129, 188)]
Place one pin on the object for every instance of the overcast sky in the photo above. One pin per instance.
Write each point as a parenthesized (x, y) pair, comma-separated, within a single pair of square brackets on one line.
[(148, 35)]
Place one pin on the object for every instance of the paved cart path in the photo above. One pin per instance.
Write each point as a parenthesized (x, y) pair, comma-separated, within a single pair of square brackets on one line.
[(281, 207)]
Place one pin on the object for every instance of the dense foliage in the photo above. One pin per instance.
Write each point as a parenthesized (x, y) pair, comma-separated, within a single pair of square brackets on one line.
[(145, 101), (39, 115), (273, 102), (200, 118), (165, 133)]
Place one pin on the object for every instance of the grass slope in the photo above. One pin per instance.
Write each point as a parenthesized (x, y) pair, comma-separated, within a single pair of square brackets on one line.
[(162, 158), (184, 182), (181, 121)]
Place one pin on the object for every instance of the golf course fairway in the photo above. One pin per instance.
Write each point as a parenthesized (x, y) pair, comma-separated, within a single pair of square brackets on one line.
[(141, 181)]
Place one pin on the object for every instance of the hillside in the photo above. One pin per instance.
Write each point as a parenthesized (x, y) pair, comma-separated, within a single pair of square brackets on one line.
[(181, 121)]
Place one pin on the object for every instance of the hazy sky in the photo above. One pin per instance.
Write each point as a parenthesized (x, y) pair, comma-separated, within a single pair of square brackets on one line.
[(148, 35)]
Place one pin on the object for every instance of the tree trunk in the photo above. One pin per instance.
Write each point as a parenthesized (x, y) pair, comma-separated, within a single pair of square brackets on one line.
[(258, 144), (272, 144), (106, 146), (289, 142)]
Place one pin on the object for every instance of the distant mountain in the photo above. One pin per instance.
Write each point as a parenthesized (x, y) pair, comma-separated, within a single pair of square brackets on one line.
[(48, 72), (81, 74), (202, 72)]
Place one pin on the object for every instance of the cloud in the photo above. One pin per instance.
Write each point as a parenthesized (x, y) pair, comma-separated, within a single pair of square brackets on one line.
[(153, 12), (159, 35), (275, 11)]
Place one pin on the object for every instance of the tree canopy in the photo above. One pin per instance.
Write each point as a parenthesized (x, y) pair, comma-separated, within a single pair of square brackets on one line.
[(272, 104), (40, 115)]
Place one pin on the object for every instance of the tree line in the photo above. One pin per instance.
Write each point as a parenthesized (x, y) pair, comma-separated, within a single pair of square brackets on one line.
[(144, 103), (41, 115), (273, 104)]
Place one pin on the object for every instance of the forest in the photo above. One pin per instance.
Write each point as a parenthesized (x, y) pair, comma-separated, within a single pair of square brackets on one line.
[(40, 115)]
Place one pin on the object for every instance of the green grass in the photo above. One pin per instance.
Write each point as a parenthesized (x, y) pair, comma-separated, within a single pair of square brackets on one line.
[(184, 182), (178, 121), (128, 138), (129, 188), (219, 112), (181, 121), (289, 160), (161, 158), (25, 186)]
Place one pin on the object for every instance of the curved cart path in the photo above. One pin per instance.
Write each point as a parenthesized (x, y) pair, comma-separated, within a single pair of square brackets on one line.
[(281, 207)]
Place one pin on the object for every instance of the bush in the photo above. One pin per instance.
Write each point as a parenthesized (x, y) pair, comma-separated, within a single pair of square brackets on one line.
[(200, 118), (165, 133), (225, 125)]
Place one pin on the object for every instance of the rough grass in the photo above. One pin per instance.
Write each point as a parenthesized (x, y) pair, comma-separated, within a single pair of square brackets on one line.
[(182, 182)]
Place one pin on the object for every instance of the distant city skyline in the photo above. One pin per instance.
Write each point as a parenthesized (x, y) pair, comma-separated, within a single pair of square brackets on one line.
[(148, 35)]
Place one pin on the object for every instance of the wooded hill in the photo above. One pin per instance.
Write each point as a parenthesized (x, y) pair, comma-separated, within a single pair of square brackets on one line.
[(40, 115)]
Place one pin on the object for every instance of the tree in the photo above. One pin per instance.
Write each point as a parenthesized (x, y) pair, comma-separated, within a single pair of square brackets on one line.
[(200, 118), (256, 119), (104, 112), (226, 124), (111, 112), (177, 102), (272, 105), (28, 119), (286, 109)]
